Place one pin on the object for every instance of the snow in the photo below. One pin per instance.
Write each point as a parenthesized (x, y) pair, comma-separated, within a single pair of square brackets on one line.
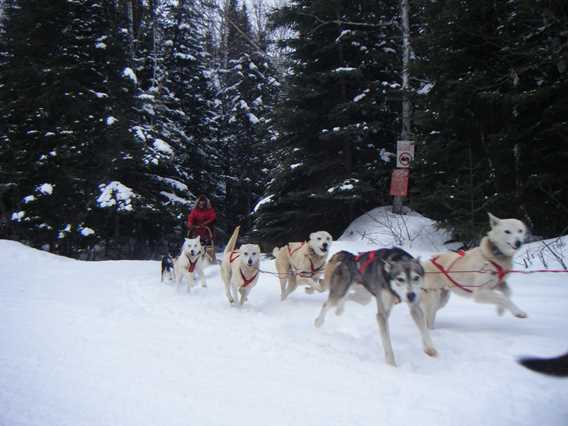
[(263, 201), (101, 45), (295, 165), (28, 199), (253, 119), (110, 120), (130, 74), (18, 216), (176, 184), (173, 198), (45, 188), (116, 194), (106, 343), (163, 147), (360, 97), (425, 89), (344, 69), (86, 231)]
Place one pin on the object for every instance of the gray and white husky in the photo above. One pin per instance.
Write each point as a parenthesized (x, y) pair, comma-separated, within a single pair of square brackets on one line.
[(391, 275)]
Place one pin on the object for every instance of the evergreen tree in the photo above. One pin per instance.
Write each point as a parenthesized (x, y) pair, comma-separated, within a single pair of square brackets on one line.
[(249, 89), (492, 124), (339, 111)]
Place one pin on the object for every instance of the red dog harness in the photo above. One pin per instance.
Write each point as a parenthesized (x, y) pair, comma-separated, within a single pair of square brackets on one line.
[(363, 267), (291, 252), (501, 272), (192, 265), (234, 256), (247, 282)]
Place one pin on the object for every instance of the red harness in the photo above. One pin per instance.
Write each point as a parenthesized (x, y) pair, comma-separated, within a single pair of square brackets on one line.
[(234, 256), (291, 252), (363, 267), (501, 272), (247, 282), (192, 265)]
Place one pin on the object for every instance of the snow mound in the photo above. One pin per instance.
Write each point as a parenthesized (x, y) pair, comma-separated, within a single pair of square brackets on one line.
[(380, 227)]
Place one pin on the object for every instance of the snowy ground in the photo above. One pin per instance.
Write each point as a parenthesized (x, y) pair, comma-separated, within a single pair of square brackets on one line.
[(105, 343)]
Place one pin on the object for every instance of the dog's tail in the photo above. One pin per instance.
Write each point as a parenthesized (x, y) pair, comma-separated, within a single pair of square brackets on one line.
[(275, 251), (330, 268), (551, 366), (232, 241)]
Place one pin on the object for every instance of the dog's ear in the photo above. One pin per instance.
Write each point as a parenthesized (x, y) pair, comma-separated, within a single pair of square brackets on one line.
[(312, 235), (387, 267), (493, 220)]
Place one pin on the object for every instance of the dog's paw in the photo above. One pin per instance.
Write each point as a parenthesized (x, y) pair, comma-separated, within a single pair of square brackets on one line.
[(204, 285), (309, 290), (431, 352), (318, 322), (500, 311), (521, 314)]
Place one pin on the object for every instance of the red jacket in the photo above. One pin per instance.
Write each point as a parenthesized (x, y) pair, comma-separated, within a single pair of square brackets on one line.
[(201, 217)]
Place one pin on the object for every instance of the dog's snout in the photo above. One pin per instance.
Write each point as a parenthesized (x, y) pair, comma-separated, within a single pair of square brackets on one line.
[(411, 297), (324, 245), (518, 244), (192, 252), (250, 262)]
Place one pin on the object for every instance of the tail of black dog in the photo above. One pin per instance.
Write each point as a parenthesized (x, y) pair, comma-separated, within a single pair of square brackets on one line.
[(550, 366)]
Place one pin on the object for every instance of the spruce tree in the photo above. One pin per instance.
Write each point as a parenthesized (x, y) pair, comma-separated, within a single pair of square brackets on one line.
[(340, 109), (496, 69)]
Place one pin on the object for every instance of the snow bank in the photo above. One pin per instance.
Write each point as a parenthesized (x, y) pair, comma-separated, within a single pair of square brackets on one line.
[(412, 231)]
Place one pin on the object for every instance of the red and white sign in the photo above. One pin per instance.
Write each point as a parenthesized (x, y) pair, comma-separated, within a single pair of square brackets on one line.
[(399, 182), (404, 154)]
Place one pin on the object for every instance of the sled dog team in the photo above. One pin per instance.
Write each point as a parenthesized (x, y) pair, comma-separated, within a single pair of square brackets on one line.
[(390, 275)]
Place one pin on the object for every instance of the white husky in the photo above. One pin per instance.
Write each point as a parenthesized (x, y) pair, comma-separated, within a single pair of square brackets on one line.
[(239, 268), (191, 262), (302, 263), (487, 267)]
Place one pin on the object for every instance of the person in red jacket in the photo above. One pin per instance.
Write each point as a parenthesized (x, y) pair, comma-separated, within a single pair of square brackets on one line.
[(201, 220)]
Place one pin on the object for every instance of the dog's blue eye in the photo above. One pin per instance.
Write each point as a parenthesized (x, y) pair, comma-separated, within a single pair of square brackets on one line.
[(246, 254), (507, 231)]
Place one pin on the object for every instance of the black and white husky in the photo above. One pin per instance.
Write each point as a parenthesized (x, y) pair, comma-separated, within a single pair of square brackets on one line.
[(168, 268), (391, 275)]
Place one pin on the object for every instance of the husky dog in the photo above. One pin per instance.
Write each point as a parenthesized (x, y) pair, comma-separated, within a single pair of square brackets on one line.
[(391, 275), (487, 265), (191, 262), (302, 262), (239, 268), (167, 268), (552, 366)]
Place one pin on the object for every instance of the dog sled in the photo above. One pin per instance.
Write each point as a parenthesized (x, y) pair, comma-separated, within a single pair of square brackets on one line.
[(205, 233)]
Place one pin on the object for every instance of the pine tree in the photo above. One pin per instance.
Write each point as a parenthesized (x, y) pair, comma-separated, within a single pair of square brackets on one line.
[(57, 115), (496, 70), (340, 110), (249, 89)]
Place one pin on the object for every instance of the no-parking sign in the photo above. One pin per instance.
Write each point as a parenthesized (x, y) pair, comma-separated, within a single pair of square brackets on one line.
[(404, 154)]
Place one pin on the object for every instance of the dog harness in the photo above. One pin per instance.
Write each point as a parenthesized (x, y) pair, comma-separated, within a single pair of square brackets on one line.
[(234, 255), (192, 265), (247, 281), (363, 267), (291, 252), (500, 271), (445, 272)]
